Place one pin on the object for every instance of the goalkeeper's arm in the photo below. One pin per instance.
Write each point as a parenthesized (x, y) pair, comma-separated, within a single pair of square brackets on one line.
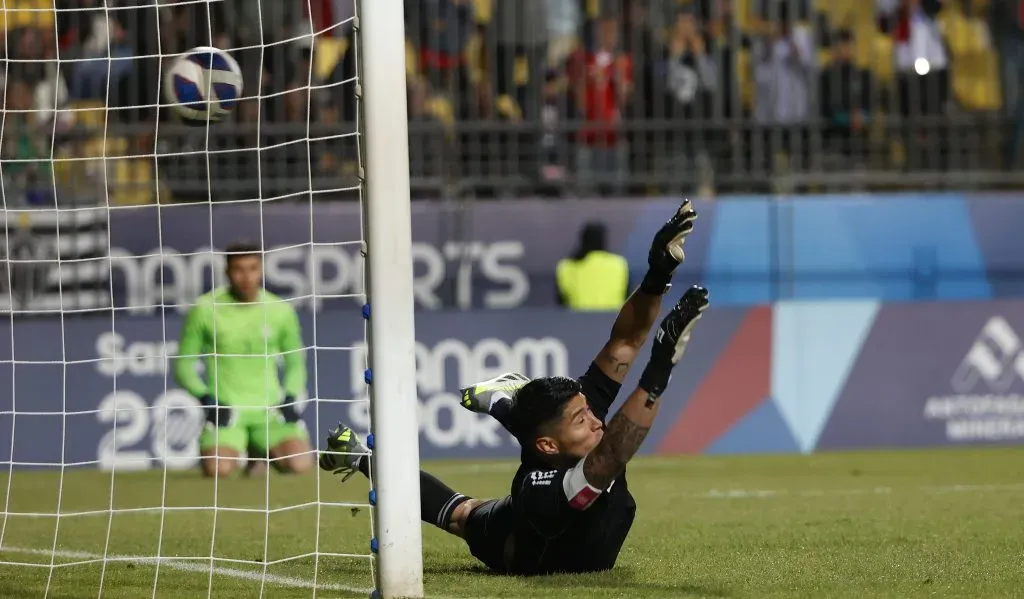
[(629, 427), (294, 364), (190, 347), (637, 315)]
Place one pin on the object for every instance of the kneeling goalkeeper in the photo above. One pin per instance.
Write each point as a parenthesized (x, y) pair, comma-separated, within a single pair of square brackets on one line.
[(241, 330), (570, 509)]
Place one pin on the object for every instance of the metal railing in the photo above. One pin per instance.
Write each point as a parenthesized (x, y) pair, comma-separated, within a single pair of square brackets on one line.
[(483, 159), (502, 96)]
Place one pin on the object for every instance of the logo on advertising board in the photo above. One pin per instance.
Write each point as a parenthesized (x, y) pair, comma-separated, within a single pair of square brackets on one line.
[(30, 257), (57, 260), (987, 403), (450, 363)]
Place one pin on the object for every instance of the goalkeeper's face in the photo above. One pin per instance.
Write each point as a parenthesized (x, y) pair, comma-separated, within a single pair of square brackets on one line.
[(575, 434), (244, 275)]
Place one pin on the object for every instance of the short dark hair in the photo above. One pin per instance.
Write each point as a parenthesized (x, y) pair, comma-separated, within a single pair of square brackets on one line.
[(538, 404), (592, 239), (241, 249)]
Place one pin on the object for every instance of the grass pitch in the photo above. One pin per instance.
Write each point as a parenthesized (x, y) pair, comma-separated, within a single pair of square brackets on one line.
[(943, 523)]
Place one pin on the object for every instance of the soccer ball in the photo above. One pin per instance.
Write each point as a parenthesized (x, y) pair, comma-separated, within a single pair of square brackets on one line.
[(203, 85)]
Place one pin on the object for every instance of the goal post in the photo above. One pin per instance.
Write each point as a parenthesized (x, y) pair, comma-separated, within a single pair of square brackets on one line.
[(385, 139), (116, 218)]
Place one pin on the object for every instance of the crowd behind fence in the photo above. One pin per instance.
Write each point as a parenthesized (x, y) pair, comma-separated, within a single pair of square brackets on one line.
[(523, 97)]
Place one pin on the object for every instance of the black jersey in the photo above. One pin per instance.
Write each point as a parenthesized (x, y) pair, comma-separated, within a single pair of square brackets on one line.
[(560, 522)]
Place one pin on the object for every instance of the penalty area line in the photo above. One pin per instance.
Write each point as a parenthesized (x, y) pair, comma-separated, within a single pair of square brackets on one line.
[(197, 567)]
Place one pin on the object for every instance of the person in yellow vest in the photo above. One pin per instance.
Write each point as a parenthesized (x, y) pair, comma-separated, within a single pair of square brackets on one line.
[(592, 279)]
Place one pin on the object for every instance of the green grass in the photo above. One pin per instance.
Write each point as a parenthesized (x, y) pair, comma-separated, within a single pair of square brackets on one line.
[(943, 523)]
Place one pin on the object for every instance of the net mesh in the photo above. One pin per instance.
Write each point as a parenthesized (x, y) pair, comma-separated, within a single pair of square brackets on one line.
[(115, 220)]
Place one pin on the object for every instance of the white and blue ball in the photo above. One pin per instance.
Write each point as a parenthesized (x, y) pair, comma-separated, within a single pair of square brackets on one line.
[(203, 85)]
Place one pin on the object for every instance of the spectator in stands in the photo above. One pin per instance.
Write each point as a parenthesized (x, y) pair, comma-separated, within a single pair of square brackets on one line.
[(784, 60), (922, 76), (440, 29), (845, 99), (28, 179), (1006, 22), (36, 54), (690, 78), (520, 32), (724, 40), (602, 81), (644, 32), (105, 51), (726, 128), (592, 279)]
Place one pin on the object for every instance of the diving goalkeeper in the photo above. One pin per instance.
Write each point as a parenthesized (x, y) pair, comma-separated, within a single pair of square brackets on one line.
[(570, 508), (241, 329)]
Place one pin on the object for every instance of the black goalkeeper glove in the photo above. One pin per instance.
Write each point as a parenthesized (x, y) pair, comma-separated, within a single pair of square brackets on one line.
[(288, 411), (667, 250), (217, 414), (671, 339)]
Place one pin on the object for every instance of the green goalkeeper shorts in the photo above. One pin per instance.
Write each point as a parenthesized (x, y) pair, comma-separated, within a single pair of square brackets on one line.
[(258, 428)]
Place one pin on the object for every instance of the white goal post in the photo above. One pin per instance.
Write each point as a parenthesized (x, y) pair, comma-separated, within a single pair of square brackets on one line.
[(388, 234), (115, 218)]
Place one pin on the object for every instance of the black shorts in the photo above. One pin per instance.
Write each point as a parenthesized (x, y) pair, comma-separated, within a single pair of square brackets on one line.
[(487, 531)]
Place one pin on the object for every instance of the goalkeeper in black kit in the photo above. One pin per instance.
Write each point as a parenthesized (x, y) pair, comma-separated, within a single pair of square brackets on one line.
[(570, 508)]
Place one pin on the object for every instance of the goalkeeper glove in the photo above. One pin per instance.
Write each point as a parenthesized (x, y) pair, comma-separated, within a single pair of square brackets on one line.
[(288, 411), (216, 414), (667, 250), (671, 339)]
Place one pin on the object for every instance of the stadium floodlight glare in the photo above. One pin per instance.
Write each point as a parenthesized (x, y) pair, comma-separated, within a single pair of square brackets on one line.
[(87, 479)]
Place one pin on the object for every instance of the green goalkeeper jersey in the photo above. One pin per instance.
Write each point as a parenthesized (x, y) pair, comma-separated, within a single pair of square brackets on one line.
[(242, 343)]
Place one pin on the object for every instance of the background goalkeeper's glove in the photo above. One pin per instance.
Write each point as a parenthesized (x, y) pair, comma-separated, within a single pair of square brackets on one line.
[(217, 414), (671, 339), (288, 411), (667, 250)]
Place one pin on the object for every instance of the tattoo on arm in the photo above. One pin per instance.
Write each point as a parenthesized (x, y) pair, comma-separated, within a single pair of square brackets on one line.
[(651, 401), (630, 331), (622, 439), (615, 361)]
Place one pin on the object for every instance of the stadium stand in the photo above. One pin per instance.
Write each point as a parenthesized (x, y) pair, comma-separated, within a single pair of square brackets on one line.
[(534, 97)]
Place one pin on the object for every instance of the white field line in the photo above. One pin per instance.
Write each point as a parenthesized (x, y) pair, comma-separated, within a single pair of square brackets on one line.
[(203, 568), (186, 566), (709, 494)]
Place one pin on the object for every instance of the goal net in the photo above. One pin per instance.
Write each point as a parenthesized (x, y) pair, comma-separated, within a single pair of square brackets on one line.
[(116, 218)]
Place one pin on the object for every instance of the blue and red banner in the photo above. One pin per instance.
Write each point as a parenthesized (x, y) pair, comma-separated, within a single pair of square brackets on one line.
[(788, 377)]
